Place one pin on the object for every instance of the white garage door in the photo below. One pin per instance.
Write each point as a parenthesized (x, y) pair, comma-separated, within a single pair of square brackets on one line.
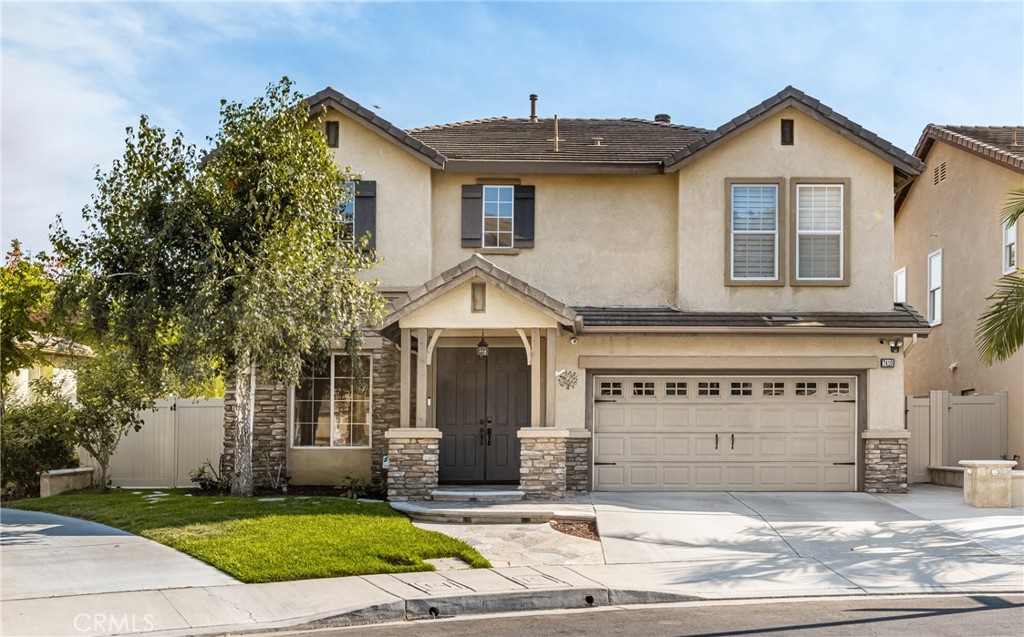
[(678, 433)]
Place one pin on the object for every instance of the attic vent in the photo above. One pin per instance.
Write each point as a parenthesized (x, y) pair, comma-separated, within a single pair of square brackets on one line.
[(332, 134), (664, 118), (939, 174)]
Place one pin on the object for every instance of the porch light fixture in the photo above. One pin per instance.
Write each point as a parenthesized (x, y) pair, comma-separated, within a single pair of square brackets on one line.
[(482, 349)]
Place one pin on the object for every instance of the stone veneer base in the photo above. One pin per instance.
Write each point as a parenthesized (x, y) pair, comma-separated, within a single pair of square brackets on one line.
[(413, 453), (553, 461), (885, 460)]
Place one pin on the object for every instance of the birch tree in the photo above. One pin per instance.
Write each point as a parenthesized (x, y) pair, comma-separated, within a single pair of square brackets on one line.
[(229, 261)]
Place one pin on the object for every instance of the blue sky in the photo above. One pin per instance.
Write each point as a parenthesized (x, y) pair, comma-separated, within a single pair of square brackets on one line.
[(75, 75)]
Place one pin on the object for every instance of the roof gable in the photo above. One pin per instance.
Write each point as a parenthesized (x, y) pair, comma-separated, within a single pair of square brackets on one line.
[(791, 97), (330, 98)]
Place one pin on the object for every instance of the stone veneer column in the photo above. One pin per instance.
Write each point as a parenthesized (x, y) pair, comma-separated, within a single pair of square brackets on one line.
[(548, 462), (577, 461), (987, 483), (885, 460), (269, 434), (413, 454)]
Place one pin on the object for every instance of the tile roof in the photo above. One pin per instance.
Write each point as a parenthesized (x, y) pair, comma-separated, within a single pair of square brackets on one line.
[(903, 319), (627, 140), (1001, 144), (813, 108)]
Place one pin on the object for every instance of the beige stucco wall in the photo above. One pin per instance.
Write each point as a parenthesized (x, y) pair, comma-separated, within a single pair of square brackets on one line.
[(960, 216), (884, 386), (757, 153), (403, 201), (599, 239), (327, 466)]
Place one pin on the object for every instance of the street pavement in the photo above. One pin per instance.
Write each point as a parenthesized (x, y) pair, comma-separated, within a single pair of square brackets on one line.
[(654, 548)]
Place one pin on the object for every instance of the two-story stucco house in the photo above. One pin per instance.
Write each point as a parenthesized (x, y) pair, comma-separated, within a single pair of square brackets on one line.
[(615, 304), (951, 248)]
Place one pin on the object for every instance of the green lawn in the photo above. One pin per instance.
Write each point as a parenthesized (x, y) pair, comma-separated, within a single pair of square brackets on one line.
[(296, 538)]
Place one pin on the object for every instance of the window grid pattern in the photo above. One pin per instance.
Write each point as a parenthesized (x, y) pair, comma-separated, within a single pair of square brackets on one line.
[(819, 229), (332, 405), (611, 388), (675, 388), (755, 228), (838, 389), (741, 389), (499, 218), (708, 389), (643, 388), (804, 388), (773, 389)]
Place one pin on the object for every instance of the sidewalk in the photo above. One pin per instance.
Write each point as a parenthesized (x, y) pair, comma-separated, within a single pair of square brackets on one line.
[(982, 552)]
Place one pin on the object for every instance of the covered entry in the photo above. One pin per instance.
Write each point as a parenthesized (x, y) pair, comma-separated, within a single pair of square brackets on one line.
[(710, 432)]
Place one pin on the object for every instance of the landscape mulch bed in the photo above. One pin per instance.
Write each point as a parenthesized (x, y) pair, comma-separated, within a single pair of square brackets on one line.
[(585, 530)]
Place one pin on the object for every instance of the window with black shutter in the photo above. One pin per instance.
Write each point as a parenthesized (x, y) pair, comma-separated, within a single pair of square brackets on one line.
[(365, 223), (497, 216)]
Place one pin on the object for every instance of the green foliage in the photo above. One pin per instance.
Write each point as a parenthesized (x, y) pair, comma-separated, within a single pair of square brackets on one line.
[(1000, 330), (271, 541), (36, 437), (26, 291), (354, 488), (111, 395), (209, 479), (223, 264)]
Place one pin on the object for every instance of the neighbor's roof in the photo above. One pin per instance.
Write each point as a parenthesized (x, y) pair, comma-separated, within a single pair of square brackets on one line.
[(902, 320)]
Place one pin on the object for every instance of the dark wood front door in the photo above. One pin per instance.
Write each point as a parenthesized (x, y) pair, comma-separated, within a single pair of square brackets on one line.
[(481, 404)]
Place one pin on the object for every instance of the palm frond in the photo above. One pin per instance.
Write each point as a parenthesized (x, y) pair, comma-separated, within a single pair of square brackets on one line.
[(1000, 331), (1013, 207)]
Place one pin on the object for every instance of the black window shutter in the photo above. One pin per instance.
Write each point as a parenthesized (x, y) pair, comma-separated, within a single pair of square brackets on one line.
[(366, 213), (523, 211), (472, 216)]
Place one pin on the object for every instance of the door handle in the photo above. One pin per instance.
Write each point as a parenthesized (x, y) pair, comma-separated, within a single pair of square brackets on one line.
[(845, 401), (716, 441), (490, 420), (488, 436), (732, 445)]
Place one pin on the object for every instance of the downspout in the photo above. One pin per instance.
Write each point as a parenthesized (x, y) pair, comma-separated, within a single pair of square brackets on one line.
[(913, 342)]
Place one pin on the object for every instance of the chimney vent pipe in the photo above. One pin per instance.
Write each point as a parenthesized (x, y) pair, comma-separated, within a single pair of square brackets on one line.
[(664, 118), (533, 107)]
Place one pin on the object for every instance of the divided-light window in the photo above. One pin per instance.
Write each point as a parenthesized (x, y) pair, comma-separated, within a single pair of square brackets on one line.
[(345, 213), (819, 232), (499, 220), (754, 230), (935, 287), (332, 404), (1009, 248)]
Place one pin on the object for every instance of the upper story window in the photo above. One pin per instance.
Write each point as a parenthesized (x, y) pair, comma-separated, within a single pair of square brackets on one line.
[(899, 286), (1009, 248), (754, 232), (356, 214), (821, 230), (331, 407), (498, 222), (935, 287), (497, 216)]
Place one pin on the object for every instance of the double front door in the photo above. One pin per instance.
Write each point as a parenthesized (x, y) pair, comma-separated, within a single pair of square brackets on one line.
[(481, 404)]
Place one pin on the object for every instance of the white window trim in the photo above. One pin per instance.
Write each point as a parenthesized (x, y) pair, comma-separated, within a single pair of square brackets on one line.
[(1009, 241), (733, 232), (897, 277), (934, 318), (369, 411), (483, 218), (839, 233)]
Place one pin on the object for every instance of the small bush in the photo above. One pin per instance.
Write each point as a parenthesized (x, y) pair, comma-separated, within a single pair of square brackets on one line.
[(35, 438), (354, 488), (208, 479)]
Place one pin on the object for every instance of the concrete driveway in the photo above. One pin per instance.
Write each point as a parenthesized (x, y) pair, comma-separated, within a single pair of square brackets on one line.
[(678, 527), (46, 555)]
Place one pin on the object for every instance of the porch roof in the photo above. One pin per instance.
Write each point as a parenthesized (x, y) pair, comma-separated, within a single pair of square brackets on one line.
[(476, 267)]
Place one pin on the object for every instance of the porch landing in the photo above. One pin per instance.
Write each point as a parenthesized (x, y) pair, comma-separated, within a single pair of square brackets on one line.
[(576, 508)]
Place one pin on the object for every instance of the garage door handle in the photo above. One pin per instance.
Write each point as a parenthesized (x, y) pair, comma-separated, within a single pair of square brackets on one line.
[(843, 464), (733, 444), (716, 441), (605, 464), (605, 400), (844, 401)]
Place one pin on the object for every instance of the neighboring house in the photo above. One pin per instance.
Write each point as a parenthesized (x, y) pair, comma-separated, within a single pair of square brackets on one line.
[(950, 250), (614, 304), (56, 366)]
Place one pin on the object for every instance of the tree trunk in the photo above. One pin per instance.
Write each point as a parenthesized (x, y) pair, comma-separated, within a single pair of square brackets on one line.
[(104, 462), (245, 408)]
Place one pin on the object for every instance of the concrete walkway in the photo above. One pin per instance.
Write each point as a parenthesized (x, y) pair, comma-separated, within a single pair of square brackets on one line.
[(658, 547)]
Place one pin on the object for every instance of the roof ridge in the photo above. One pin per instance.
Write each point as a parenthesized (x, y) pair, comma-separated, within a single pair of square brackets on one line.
[(482, 120)]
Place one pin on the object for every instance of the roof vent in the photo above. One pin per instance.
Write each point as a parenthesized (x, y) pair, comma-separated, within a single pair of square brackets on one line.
[(533, 107), (597, 141), (664, 118)]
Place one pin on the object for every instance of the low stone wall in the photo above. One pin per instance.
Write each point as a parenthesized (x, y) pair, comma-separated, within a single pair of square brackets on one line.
[(61, 480), (413, 454), (885, 461)]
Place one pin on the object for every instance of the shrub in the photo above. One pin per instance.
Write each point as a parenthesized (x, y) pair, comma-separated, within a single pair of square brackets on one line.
[(208, 479), (35, 438)]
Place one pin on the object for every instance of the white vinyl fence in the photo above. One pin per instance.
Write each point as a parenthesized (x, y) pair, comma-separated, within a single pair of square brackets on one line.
[(175, 439), (945, 429)]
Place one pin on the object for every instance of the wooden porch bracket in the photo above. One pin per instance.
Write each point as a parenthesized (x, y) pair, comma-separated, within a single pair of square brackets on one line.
[(526, 345)]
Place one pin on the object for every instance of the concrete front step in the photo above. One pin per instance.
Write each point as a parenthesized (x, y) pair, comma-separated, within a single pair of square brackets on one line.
[(489, 496), (479, 513)]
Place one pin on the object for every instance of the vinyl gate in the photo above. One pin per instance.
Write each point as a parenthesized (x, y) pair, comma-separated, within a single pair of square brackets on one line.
[(175, 439), (945, 429)]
